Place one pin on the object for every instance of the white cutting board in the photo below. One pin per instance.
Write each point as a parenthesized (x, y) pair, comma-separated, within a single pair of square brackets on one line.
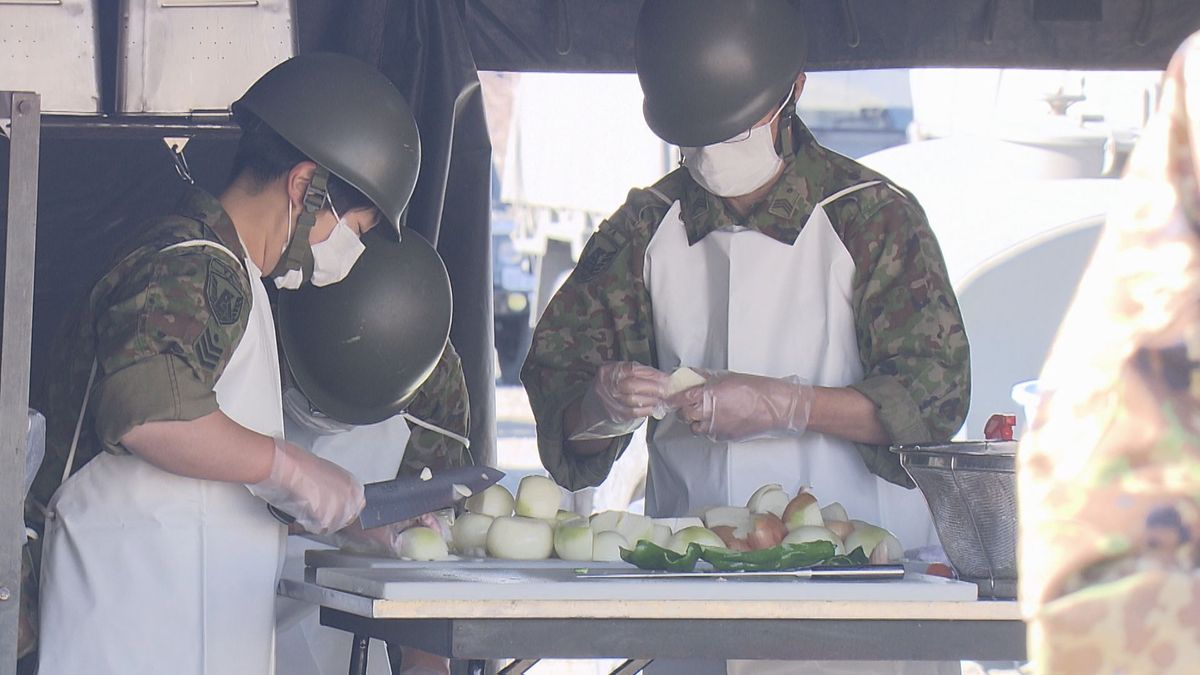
[(334, 558), (454, 581)]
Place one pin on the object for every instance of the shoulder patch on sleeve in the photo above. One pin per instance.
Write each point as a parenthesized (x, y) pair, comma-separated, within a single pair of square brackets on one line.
[(601, 251), (223, 292)]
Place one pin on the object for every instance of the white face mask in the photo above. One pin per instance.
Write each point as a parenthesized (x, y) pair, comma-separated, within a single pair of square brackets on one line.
[(332, 259), (737, 166), (335, 257)]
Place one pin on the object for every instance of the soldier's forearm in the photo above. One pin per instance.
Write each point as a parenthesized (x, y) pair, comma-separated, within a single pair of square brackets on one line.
[(847, 413), (212, 447)]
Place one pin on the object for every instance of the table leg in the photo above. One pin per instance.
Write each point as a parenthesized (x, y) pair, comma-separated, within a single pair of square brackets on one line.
[(358, 655)]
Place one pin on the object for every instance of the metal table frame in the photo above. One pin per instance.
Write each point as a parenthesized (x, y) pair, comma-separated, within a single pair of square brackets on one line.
[(470, 633), (20, 112)]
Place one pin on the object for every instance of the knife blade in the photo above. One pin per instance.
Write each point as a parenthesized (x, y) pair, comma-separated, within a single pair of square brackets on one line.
[(391, 501), (395, 500), (818, 573)]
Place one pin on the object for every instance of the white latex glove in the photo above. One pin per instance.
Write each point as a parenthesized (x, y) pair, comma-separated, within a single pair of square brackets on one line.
[(322, 496), (622, 395), (384, 540), (739, 407)]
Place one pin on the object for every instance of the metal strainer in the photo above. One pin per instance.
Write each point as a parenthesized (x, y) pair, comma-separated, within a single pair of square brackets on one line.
[(972, 491)]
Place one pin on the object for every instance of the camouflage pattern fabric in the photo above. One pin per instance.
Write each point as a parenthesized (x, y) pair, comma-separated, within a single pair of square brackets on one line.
[(161, 326), (1109, 473), (441, 401), (910, 333)]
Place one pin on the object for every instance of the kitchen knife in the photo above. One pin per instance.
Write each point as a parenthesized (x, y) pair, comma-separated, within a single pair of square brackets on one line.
[(391, 501), (818, 573)]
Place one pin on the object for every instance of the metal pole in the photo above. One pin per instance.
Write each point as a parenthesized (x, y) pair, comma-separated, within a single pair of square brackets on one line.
[(24, 111)]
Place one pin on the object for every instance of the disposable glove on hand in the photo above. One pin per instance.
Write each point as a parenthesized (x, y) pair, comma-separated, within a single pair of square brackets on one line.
[(622, 395), (739, 407), (322, 496), (384, 540)]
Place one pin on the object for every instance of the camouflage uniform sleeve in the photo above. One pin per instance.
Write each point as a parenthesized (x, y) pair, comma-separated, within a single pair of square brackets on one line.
[(441, 401), (164, 335), (602, 313), (911, 339)]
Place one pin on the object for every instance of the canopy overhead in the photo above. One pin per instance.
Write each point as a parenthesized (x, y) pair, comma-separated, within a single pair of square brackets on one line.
[(589, 36)]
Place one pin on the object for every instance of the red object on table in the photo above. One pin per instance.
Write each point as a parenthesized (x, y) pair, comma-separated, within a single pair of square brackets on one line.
[(999, 427)]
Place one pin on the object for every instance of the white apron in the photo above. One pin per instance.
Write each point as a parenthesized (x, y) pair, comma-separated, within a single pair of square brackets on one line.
[(145, 571), (742, 301), (303, 646)]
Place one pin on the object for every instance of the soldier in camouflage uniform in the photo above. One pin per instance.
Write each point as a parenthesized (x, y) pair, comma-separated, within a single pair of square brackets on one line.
[(165, 420), (1109, 474), (909, 351)]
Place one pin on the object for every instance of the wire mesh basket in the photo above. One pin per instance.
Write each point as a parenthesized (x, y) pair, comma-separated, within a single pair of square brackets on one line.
[(971, 490)]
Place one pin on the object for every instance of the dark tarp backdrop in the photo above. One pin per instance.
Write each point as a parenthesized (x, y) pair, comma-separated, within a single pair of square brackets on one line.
[(589, 36)]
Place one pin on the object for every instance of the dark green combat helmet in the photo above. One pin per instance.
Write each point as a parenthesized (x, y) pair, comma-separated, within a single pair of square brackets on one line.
[(360, 349), (711, 69)]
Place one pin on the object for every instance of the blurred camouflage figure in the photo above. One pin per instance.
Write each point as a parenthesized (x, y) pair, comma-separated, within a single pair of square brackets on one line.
[(1109, 475)]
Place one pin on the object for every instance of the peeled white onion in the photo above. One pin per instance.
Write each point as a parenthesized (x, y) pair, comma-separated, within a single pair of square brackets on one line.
[(496, 501), (538, 497), (769, 499), (469, 533), (423, 543), (699, 535), (809, 533), (518, 538), (574, 542), (607, 546)]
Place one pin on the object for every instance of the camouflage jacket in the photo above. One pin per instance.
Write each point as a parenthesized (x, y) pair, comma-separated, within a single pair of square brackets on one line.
[(910, 333), (161, 326), (1109, 472), (442, 401)]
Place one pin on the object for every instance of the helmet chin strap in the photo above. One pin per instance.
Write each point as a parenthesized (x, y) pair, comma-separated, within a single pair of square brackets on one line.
[(298, 255)]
